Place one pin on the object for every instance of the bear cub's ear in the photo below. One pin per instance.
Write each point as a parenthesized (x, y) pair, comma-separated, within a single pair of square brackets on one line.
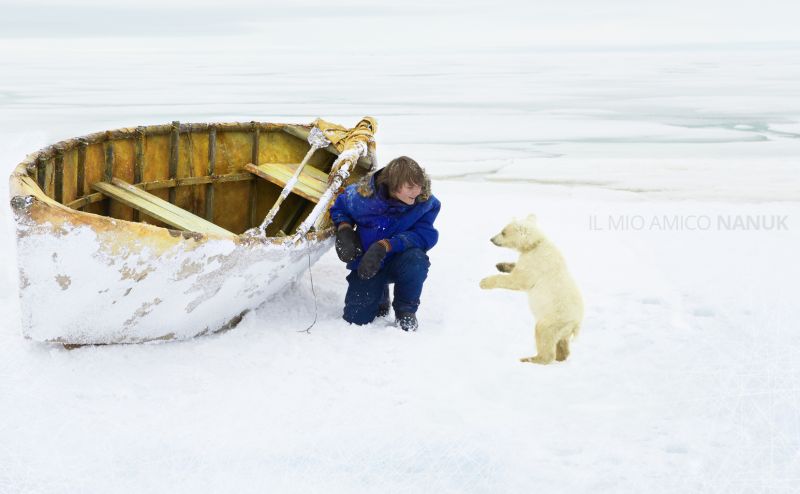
[(531, 218)]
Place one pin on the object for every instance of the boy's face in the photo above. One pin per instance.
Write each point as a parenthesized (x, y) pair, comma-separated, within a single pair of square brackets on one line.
[(407, 193)]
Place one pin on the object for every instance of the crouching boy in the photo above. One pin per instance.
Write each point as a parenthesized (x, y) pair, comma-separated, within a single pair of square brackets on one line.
[(384, 227)]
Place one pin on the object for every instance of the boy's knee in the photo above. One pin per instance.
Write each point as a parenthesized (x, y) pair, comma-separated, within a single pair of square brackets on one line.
[(415, 259), (361, 309), (362, 299)]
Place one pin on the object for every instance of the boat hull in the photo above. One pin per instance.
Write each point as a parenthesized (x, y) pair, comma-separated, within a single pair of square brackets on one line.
[(90, 279)]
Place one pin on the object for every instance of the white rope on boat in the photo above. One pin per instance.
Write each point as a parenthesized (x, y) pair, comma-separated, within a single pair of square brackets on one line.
[(342, 165), (317, 140)]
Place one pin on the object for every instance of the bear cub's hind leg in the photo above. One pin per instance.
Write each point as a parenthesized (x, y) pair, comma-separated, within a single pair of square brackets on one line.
[(562, 349), (545, 346)]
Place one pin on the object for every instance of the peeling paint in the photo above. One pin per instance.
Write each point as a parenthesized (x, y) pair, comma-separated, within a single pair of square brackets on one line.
[(63, 281), (128, 273), (193, 235), (189, 268), (142, 311)]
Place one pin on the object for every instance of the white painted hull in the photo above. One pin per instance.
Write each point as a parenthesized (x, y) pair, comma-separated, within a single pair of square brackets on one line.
[(89, 279)]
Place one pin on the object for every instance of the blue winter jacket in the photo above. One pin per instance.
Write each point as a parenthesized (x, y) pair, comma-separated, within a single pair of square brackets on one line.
[(377, 216)]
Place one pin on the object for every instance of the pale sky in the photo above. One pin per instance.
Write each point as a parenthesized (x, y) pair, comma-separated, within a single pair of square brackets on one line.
[(416, 23)]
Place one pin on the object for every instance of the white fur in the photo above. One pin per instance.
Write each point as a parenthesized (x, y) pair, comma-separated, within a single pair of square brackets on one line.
[(553, 296)]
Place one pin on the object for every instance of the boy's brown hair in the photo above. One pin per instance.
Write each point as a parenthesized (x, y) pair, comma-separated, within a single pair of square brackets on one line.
[(401, 171)]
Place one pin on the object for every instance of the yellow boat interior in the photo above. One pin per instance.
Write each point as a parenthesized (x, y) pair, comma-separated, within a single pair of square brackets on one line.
[(209, 178)]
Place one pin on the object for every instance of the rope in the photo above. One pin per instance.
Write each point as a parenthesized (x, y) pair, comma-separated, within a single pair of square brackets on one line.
[(314, 293)]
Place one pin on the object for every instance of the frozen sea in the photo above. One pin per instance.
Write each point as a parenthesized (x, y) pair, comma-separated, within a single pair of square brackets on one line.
[(685, 375)]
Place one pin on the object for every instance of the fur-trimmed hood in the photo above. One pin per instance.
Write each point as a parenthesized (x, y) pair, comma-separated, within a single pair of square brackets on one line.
[(366, 186)]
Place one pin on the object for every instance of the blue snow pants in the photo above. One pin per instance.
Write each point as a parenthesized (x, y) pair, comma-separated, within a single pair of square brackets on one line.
[(407, 270)]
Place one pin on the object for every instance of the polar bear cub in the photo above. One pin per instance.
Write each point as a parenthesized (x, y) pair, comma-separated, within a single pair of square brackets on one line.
[(553, 296)]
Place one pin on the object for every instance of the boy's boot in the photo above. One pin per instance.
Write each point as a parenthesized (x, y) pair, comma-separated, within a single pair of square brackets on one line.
[(407, 321)]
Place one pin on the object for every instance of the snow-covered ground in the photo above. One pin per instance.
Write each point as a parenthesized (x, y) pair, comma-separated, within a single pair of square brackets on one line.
[(685, 375)]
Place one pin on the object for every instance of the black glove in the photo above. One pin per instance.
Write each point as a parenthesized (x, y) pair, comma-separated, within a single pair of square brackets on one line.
[(371, 262), (348, 245)]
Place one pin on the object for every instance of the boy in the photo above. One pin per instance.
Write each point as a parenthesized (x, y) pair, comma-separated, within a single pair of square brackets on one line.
[(384, 227)]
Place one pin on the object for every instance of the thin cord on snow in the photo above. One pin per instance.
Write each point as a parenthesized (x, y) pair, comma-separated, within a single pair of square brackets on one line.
[(314, 293)]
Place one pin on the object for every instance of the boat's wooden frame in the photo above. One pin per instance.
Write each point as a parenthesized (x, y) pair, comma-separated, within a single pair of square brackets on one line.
[(98, 216)]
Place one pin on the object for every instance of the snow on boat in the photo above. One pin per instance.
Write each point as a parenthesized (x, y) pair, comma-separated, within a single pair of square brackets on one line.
[(167, 232)]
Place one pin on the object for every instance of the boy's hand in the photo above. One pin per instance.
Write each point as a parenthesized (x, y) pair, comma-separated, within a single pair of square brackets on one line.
[(348, 245), (371, 262)]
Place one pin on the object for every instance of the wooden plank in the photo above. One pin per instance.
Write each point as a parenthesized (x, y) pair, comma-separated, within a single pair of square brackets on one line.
[(309, 172), (311, 183), (86, 200), (157, 207), (212, 164), (59, 178), (163, 184), (183, 182), (232, 177), (109, 170), (81, 173), (254, 184), (41, 174), (132, 200), (174, 142), (190, 221), (313, 176), (108, 173), (138, 165)]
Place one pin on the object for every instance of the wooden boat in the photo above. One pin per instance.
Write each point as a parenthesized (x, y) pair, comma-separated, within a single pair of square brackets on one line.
[(156, 233)]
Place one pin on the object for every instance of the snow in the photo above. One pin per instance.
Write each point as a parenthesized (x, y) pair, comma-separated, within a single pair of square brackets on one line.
[(683, 379), (687, 363)]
